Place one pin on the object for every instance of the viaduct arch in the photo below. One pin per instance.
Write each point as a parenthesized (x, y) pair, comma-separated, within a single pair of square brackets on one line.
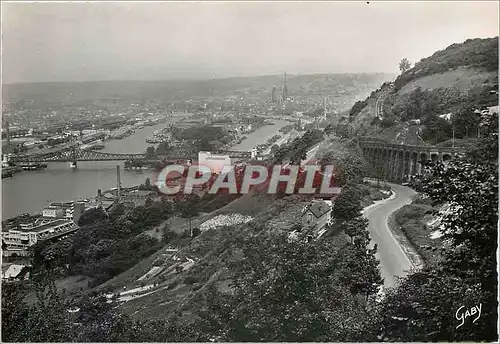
[(395, 162)]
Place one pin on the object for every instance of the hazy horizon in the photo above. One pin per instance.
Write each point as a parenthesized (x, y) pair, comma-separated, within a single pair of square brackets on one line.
[(199, 79), (109, 42)]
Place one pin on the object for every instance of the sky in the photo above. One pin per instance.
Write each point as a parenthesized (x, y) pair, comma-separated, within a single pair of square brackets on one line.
[(168, 40)]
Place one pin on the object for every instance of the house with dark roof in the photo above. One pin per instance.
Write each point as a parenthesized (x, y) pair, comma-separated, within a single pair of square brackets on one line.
[(316, 215)]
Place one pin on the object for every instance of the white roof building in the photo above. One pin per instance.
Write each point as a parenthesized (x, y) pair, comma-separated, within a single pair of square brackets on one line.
[(446, 116), (493, 109), (12, 271)]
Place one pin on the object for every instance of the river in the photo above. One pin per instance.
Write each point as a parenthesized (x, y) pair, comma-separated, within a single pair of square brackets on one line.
[(29, 192)]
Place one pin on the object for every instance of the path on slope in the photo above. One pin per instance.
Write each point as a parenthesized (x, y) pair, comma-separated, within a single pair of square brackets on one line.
[(393, 260)]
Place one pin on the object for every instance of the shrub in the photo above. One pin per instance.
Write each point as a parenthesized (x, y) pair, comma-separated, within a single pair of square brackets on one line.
[(410, 212), (386, 123), (190, 279)]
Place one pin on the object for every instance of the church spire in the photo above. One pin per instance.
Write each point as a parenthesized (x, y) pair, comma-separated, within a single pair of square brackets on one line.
[(285, 90)]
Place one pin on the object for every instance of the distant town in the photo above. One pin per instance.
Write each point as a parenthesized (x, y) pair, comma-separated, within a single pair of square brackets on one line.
[(335, 207)]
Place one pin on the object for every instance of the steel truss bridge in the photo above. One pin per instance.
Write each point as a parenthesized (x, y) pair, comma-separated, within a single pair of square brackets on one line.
[(74, 154)]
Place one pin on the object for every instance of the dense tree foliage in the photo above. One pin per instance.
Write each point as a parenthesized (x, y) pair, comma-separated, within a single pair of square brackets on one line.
[(54, 318), (293, 290), (428, 105), (347, 204), (150, 151), (329, 129), (189, 208), (424, 306), (106, 244), (349, 165), (203, 138), (436, 129), (357, 107), (298, 148), (44, 321), (163, 148), (285, 288)]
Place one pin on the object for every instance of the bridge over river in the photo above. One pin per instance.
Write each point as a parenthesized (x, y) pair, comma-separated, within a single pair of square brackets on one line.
[(74, 154), (395, 162)]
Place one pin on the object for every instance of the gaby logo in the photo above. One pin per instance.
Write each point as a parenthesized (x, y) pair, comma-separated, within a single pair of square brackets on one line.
[(308, 179), (462, 314)]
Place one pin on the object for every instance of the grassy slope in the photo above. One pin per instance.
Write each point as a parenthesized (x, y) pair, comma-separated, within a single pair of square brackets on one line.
[(249, 204), (208, 251), (463, 75), (461, 78), (362, 122)]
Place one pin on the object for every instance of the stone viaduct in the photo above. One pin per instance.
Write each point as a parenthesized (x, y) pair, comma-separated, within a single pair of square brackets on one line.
[(396, 162)]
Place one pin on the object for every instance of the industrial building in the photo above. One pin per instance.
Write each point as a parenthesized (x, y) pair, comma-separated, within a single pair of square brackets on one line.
[(214, 161), (58, 219), (16, 242)]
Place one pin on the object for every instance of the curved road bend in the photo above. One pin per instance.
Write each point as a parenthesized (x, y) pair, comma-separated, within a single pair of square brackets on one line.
[(393, 261)]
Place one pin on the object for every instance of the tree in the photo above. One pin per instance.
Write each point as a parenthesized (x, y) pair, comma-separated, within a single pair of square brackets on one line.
[(195, 232), (168, 234), (291, 290), (425, 303), (424, 306), (436, 129), (150, 151), (116, 211), (14, 312), (404, 65), (146, 186), (350, 166), (329, 129), (298, 156), (92, 216), (347, 205), (101, 322), (469, 187), (163, 148), (360, 269), (465, 122), (274, 149), (355, 227), (47, 320), (189, 208)]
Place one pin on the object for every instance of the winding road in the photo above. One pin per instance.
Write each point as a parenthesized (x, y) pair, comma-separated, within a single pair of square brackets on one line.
[(393, 260)]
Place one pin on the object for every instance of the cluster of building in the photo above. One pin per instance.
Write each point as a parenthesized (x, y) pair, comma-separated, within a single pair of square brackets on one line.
[(59, 219), (56, 220), (20, 139)]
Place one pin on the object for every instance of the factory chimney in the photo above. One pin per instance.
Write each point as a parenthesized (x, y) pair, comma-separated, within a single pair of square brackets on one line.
[(118, 183), (7, 133), (285, 91), (99, 198)]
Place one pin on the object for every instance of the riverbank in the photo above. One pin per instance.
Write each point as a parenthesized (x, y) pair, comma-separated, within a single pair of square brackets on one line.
[(30, 192), (259, 136)]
